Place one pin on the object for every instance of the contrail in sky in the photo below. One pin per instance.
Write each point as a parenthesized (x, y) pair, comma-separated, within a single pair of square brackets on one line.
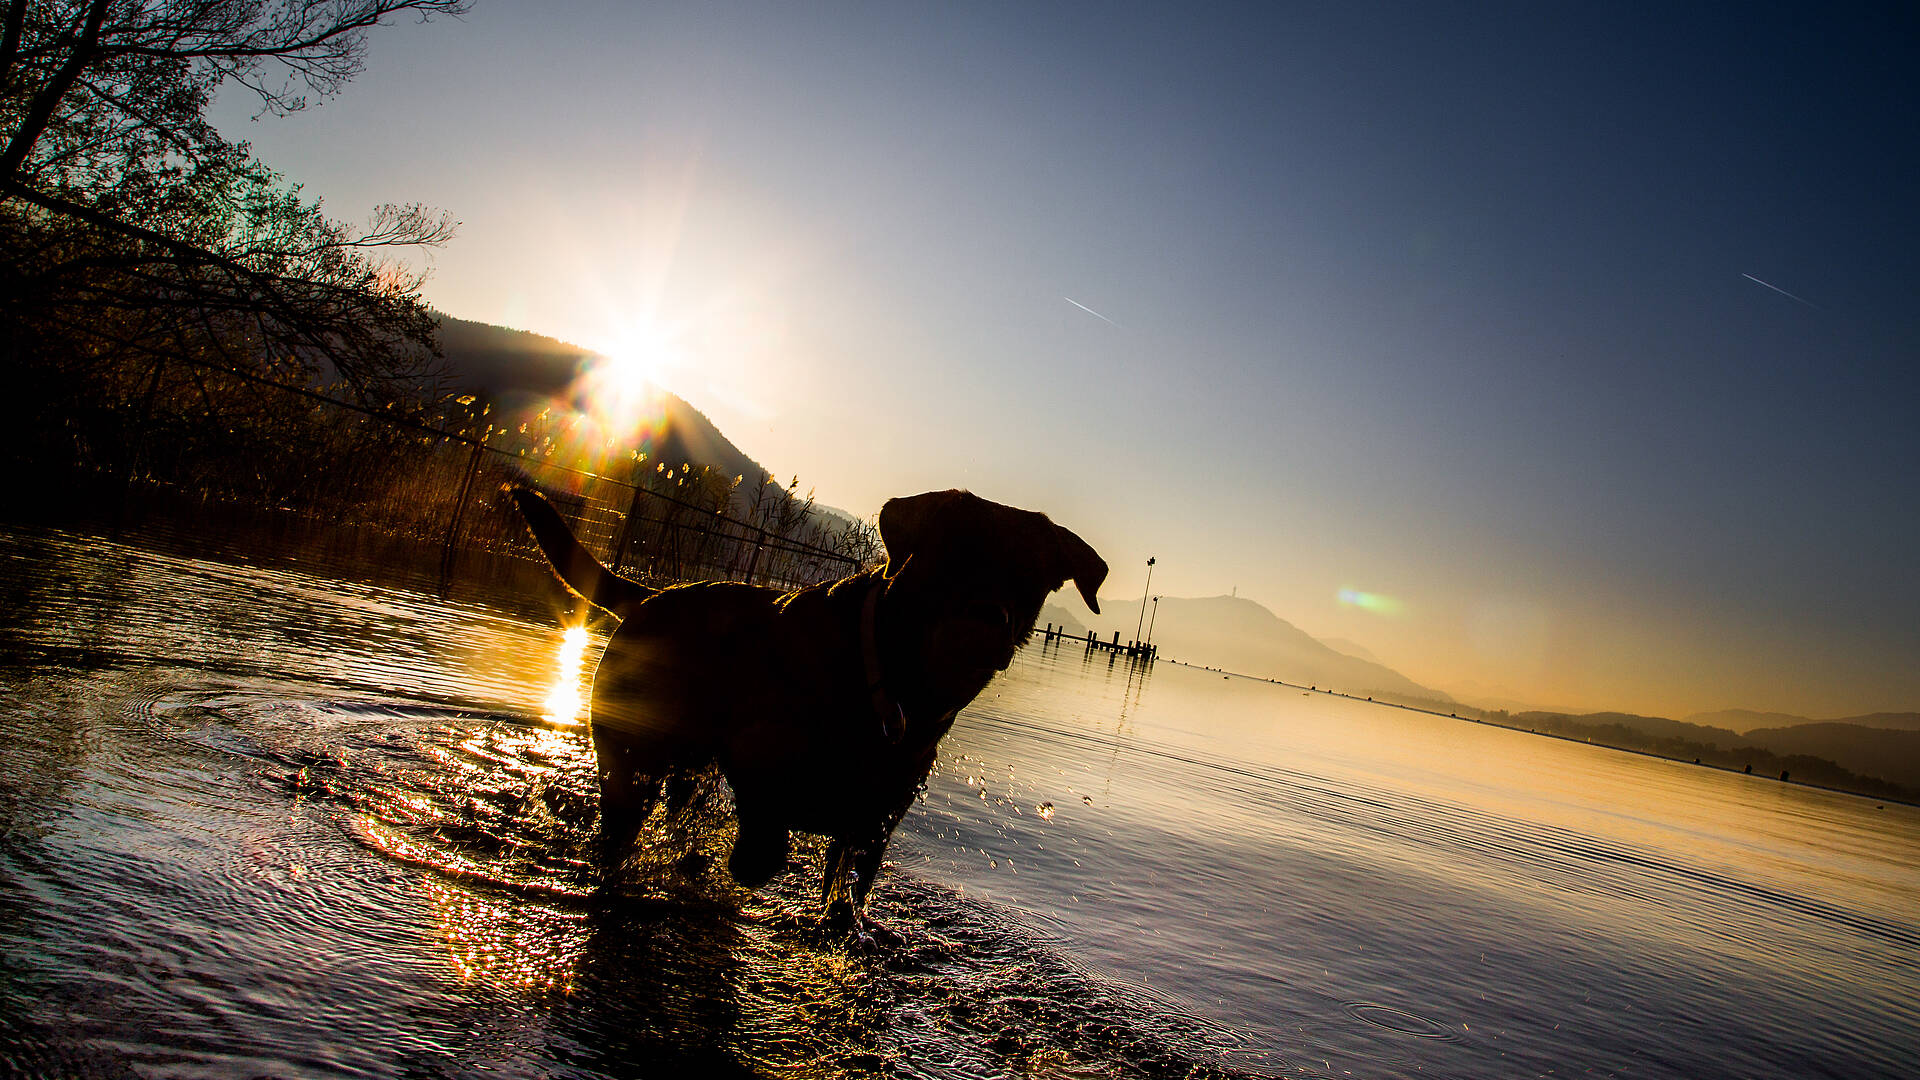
[(1110, 322), (1783, 292)]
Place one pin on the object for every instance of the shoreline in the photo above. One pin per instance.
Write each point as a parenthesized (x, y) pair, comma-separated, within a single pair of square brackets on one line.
[(1312, 689)]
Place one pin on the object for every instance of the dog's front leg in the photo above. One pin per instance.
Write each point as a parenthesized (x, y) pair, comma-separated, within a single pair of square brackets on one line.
[(851, 869), (626, 797), (849, 876), (839, 884), (863, 866), (833, 874)]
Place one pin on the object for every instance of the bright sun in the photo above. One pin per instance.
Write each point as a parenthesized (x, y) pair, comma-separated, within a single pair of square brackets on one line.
[(634, 362)]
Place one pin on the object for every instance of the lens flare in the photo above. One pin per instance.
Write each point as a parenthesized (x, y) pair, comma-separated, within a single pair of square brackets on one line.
[(564, 700), (613, 414), (1374, 602), (628, 372)]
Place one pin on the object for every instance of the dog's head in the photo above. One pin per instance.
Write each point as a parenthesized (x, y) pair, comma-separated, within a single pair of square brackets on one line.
[(966, 581)]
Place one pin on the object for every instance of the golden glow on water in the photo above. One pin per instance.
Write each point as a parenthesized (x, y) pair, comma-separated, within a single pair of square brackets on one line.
[(531, 753), (505, 943), (565, 701), (392, 842)]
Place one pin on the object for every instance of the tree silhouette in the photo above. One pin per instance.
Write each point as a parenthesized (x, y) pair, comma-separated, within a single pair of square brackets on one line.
[(133, 234)]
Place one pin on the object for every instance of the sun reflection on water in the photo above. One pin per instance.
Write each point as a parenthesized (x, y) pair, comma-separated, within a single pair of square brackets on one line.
[(565, 702), (514, 946)]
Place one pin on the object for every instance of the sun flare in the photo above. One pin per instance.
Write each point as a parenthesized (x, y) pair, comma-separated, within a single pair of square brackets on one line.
[(633, 364)]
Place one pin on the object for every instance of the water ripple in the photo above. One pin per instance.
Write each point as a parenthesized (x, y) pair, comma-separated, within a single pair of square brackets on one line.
[(1400, 1020)]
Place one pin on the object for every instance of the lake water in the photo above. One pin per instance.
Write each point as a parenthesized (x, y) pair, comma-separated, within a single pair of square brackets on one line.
[(255, 822)]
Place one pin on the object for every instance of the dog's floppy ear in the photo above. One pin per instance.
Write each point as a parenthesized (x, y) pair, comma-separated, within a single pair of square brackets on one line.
[(1080, 562), (907, 524)]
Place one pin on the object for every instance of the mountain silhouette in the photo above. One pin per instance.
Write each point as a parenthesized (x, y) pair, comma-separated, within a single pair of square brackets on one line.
[(1747, 720), (1885, 753), (521, 371), (1877, 751), (1239, 635)]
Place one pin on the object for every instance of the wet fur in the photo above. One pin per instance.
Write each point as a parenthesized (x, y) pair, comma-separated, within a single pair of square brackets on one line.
[(772, 686)]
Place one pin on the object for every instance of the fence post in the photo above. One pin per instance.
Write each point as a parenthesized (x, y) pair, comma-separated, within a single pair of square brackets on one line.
[(754, 563), (625, 538), (459, 513)]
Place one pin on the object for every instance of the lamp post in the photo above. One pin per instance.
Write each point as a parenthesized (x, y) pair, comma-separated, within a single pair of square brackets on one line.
[(1141, 621), (1155, 619)]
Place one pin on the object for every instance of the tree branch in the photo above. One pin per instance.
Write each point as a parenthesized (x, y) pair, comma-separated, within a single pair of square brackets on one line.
[(10, 40), (40, 113)]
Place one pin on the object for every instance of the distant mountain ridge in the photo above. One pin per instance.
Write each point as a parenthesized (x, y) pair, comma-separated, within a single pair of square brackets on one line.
[(1240, 635), (1747, 720), (1886, 753), (1807, 748)]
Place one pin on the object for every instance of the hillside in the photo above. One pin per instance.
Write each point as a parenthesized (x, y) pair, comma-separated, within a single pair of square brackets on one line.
[(512, 366), (1240, 635), (1659, 727), (523, 372), (1851, 757), (1885, 753), (1061, 619), (520, 370), (1351, 648)]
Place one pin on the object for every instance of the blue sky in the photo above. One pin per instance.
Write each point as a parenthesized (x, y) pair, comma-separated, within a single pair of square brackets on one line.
[(1446, 302)]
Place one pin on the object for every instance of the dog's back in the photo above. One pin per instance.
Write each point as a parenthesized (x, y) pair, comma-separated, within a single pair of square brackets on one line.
[(682, 657)]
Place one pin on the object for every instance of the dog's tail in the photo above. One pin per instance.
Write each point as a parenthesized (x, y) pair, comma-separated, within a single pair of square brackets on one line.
[(576, 567)]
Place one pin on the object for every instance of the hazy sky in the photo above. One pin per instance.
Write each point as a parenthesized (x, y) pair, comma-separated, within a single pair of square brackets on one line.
[(1455, 304)]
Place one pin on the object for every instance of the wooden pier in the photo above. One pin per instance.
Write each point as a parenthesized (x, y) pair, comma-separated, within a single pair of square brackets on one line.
[(1138, 650)]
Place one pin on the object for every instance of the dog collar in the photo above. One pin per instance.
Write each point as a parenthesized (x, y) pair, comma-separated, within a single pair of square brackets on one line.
[(893, 718)]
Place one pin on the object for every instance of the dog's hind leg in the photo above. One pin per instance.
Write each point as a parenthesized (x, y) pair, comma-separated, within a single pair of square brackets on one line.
[(759, 848), (629, 788), (681, 788)]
